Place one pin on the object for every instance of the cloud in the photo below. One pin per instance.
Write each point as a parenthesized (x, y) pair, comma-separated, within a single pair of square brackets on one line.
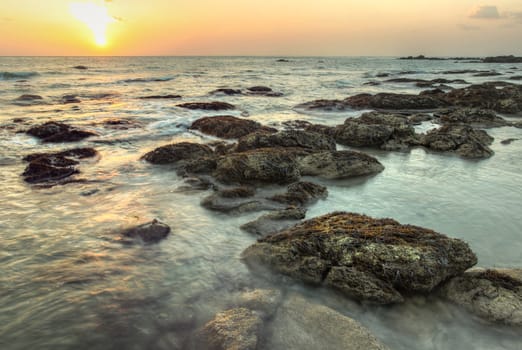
[(468, 27), (485, 12)]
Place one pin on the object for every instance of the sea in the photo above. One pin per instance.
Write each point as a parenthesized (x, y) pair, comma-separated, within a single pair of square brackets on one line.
[(67, 282)]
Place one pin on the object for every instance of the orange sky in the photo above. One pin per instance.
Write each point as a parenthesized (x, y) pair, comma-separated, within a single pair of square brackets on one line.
[(269, 27)]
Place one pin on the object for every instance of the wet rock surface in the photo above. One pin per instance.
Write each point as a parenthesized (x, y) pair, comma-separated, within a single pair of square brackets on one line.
[(264, 301), (229, 127), (150, 232), (302, 324), (208, 106), (274, 221), (176, 152), (160, 97), (226, 91), (53, 168), (263, 91), (301, 193), (237, 329), (374, 260), (472, 116), (58, 132), (463, 140), (493, 294), (289, 138), (237, 200)]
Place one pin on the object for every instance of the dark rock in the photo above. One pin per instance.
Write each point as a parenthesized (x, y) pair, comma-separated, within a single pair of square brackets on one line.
[(234, 205), (338, 164), (208, 106), (264, 91), (500, 97), (464, 140), (503, 59), (259, 89), (287, 138), (28, 97), (295, 124), (201, 165), (156, 97), (66, 99), (393, 101), (272, 165), (228, 127), (80, 67), (372, 83), (274, 221), (472, 116), (120, 124), (383, 75), (369, 259), (226, 91), (151, 232), (51, 168), (464, 71), (282, 60), (324, 105), (487, 74), (301, 193), (516, 77), (234, 329), (177, 151), (494, 294), (507, 141), (301, 324), (58, 132)]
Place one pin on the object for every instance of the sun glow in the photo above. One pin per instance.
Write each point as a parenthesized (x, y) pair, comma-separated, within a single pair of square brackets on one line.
[(96, 17)]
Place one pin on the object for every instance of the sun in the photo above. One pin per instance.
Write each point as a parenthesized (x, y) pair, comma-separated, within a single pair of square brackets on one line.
[(96, 17)]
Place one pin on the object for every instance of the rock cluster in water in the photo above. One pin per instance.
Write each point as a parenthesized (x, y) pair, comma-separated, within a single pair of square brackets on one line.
[(58, 132)]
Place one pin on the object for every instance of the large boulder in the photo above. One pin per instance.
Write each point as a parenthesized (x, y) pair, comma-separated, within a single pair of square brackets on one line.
[(476, 117), (375, 260), (494, 294), (208, 106), (500, 97), (234, 329), (288, 138), (302, 324), (464, 140), (150, 232), (228, 127), (176, 152), (338, 164), (58, 132), (393, 101)]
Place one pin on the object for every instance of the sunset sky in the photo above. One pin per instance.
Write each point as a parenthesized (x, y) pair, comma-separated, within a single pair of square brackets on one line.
[(269, 27)]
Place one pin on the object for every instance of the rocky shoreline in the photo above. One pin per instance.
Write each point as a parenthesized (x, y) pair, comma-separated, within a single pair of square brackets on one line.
[(369, 260)]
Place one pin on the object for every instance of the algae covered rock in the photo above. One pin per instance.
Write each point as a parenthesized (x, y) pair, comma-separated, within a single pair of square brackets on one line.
[(476, 117), (228, 127), (494, 294), (289, 138), (301, 193), (177, 151), (375, 260)]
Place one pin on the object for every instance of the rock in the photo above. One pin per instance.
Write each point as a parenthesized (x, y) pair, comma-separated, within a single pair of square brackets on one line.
[(234, 329), (375, 129), (368, 259), (516, 77), (176, 152), (503, 59), (29, 97), (461, 139), (66, 99), (324, 105), (487, 74), (151, 232), (394, 101), (508, 141), (208, 106), (234, 201), (202, 165), (263, 91), (282, 60), (500, 97), (302, 324), (338, 164), (51, 168), (476, 117), (58, 132), (301, 193), (120, 124), (228, 127), (287, 138), (226, 91), (269, 165), (80, 67), (494, 294), (163, 97), (265, 301), (274, 221)]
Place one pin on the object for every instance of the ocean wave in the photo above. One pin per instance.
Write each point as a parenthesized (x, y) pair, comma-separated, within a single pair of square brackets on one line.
[(17, 75)]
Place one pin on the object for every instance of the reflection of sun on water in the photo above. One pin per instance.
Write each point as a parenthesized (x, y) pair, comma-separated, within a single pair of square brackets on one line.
[(96, 17)]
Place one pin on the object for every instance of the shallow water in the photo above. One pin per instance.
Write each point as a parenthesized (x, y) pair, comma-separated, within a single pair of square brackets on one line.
[(68, 281)]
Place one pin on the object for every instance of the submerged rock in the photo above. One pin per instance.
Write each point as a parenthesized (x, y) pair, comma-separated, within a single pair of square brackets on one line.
[(28, 97), (461, 139), (66, 99), (301, 193), (287, 138), (235, 201), (176, 152), (150, 232), (368, 259), (160, 97), (494, 294), (51, 168), (228, 127), (274, 221), (234, 329), (302, 324), (264, 301), (263, 91), (226, 91), (80, 67), (58, 132), (208, 106)]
